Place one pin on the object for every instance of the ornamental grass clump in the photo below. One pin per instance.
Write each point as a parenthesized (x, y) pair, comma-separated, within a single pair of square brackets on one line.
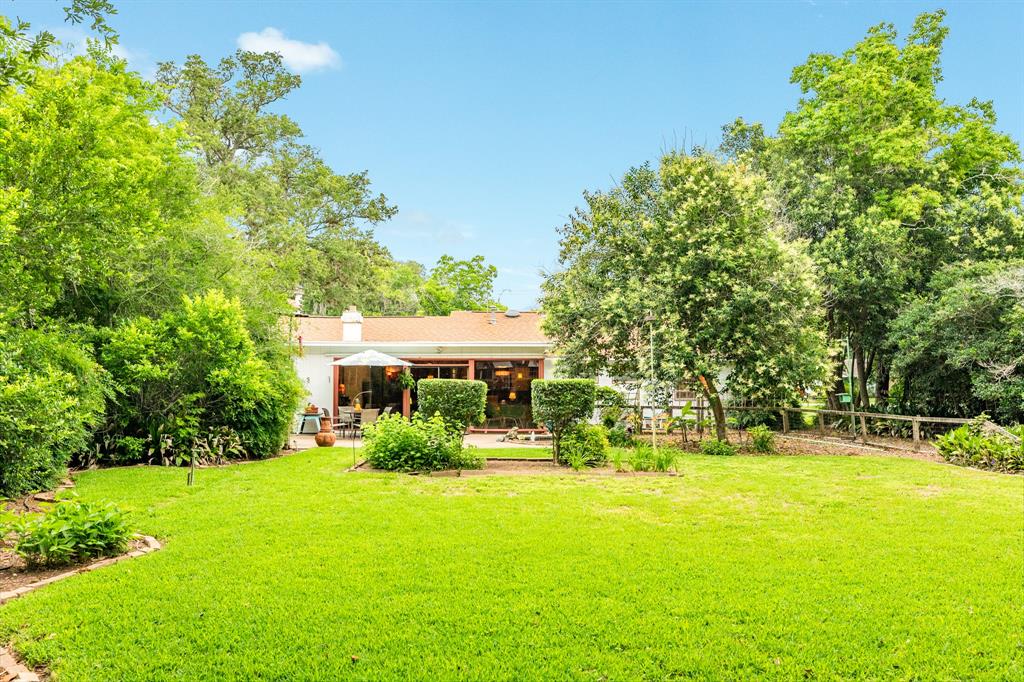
[(71, 532)]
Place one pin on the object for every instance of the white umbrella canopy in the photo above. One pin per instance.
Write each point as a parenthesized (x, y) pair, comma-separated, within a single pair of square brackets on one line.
[(371, 358)]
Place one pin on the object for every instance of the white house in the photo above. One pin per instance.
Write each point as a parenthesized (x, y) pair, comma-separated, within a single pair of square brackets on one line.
[(506, 350)]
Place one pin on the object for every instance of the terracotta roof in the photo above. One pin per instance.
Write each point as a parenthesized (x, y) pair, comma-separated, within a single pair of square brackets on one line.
[(460, 326)]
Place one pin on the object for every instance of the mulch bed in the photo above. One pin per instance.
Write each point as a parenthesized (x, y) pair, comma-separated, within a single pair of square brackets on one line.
[(15, 573)]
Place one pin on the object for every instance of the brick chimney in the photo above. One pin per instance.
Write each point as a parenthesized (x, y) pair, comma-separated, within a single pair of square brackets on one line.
[(352, 325)]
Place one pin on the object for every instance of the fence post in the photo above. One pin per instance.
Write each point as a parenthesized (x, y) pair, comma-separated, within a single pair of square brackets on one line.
[(821, 423), (916, 423), (863, 430), (785, 421)]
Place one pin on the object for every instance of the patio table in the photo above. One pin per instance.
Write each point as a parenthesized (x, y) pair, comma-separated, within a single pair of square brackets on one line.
[(305, 417)]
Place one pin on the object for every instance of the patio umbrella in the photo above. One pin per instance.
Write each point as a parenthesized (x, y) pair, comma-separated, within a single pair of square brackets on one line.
[(371, 358), (368, 358)]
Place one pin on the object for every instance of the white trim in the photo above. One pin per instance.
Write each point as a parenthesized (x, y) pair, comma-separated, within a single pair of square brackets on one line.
[(411, 344)]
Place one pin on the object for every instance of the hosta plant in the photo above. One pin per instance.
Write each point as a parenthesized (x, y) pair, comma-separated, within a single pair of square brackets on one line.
[(70, 532)]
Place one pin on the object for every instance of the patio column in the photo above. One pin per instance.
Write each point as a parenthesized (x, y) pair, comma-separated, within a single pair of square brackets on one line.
[(406, 403), (334, 391)]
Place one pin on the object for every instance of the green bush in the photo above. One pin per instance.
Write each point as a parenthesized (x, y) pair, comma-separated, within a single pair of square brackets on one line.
[(713, 446), (460, 402), (71, 532), (51, 398), (745, 419), (395, 443), (762, 438), (194, 371), (618, 437), (584, 444), (970, 446), (611, 404), (561, 403)]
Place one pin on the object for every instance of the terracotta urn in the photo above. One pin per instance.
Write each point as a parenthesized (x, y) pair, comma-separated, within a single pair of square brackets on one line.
[(325, 438)]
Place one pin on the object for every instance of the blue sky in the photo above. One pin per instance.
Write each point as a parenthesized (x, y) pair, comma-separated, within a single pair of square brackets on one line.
[(484, 122)]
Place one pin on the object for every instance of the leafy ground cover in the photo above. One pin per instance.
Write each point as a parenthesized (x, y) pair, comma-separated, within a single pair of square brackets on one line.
[(742, 567)]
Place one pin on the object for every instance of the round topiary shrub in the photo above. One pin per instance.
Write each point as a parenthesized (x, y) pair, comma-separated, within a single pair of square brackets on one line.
[(561, 403)]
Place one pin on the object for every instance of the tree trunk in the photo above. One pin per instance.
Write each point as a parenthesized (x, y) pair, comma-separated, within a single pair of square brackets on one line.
[(715, 401), (862, 377), (882, 381), (554, 448), (838, 384)]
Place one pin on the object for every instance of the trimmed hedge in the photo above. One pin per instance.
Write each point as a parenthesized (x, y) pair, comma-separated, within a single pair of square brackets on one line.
[(460, 402), (562, 403)]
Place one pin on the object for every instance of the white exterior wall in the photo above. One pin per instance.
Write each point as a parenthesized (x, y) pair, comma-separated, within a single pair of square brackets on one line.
[(317, 376)]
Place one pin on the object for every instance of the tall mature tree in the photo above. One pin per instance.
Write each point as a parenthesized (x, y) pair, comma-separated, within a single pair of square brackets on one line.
[(889, 182), (692, 256), (459, 285), (316, 222), (104, 213), (960, 350)]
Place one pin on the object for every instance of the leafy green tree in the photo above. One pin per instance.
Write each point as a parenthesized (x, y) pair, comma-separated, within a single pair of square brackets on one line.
[(21, 55), (960, 350), (317, 223), (888, 181), (96, 194), (688, 258), (459, 285)]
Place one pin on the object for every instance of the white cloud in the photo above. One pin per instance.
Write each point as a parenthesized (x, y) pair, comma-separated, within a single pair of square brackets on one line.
[(297, 55)]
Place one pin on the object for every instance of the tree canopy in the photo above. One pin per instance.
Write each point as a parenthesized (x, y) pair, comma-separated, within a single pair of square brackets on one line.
[(691, 259), (889, 182)]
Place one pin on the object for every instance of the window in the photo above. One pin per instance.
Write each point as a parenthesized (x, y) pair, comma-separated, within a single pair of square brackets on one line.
[(508, 391)]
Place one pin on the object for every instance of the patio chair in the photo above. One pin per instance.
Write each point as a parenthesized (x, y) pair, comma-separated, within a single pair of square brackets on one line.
[(345, 420), (367, 417)]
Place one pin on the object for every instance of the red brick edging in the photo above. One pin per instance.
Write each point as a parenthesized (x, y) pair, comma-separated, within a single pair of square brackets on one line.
[(13, 671)]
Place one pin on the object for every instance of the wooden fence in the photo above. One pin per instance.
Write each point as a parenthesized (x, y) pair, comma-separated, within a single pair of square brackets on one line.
[(862, 417)]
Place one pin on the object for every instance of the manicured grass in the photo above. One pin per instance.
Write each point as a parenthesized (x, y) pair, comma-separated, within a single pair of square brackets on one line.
[(740, 568), (517, 452)]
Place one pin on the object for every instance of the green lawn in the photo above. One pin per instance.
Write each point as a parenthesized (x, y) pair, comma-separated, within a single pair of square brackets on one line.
[(517, 452), (743, 567)]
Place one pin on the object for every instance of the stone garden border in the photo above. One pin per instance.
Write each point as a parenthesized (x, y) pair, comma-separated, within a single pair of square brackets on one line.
[(13, 671)]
